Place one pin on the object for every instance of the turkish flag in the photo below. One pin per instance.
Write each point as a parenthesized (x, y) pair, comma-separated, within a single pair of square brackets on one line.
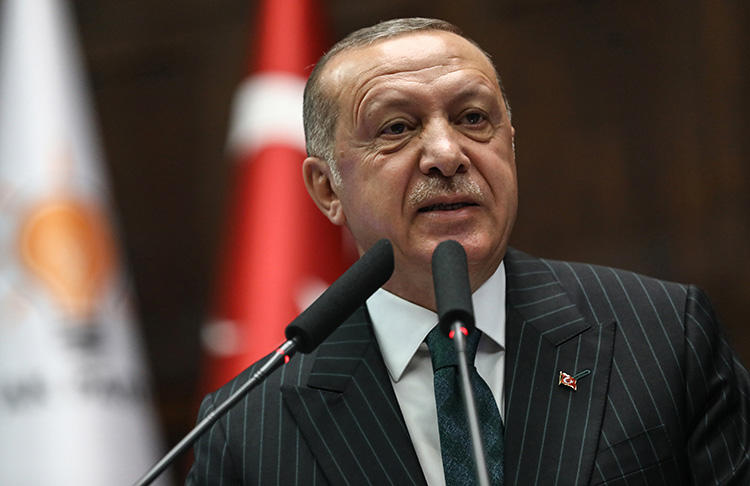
[(280, 252)]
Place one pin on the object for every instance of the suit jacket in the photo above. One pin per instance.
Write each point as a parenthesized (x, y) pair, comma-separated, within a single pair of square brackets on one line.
[(665, 402)]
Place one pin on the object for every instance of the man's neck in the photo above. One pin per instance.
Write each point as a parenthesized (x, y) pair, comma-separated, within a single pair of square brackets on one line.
[(416, 284)]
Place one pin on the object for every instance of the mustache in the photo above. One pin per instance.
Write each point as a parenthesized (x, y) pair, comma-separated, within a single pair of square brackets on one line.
[(433, 187)]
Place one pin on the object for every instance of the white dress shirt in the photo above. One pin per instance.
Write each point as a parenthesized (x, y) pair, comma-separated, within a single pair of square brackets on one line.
[(401, 328)]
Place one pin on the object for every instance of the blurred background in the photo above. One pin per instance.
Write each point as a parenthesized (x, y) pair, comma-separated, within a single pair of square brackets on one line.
[(632, 144)]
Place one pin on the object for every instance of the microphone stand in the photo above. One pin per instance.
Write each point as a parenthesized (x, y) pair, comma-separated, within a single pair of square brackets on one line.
[(459, 341), (281, 356)]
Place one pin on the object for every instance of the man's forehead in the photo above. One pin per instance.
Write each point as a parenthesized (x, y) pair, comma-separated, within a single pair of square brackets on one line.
[(409, 52)]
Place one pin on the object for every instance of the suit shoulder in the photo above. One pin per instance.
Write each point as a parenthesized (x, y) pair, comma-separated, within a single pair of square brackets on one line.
[(604, 288), (591, 274)]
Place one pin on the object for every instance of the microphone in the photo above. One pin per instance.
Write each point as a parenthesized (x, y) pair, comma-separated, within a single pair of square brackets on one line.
[(450, 275), (343, 297), (304, 333)]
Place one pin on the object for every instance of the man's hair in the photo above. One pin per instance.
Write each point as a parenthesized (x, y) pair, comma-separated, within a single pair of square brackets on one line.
[(320, 110)]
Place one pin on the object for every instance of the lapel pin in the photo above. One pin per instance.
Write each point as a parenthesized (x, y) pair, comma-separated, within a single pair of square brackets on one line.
[(571, 381)]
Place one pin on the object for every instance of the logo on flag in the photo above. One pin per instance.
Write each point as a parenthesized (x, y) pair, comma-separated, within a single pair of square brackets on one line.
[(68, 246)]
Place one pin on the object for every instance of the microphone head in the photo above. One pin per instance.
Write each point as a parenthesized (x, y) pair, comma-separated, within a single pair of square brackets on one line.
[(450, 274), (343, 297)]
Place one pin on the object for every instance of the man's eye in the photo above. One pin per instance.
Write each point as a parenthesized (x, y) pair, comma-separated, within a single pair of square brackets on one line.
[(395, 129), (473, 118)]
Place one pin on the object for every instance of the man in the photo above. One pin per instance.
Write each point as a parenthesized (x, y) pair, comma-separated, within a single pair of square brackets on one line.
[(599, 376)]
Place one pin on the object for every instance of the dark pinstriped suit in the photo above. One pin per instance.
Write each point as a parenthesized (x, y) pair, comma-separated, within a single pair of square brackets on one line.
[(666, 401)]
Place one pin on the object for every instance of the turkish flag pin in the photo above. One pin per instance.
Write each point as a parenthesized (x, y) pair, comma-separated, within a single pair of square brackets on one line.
[(568, 380), (571, 381)]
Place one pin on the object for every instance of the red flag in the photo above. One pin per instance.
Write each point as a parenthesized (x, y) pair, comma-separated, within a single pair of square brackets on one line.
[(280, 251)]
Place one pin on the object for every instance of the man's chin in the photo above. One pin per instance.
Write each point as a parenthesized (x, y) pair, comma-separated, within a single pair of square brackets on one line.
[(477, 250)]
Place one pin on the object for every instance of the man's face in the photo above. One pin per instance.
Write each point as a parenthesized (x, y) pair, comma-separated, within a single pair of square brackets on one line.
[(424, 146)]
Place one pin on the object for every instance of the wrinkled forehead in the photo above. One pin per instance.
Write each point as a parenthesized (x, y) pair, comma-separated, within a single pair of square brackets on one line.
[(408, 54)]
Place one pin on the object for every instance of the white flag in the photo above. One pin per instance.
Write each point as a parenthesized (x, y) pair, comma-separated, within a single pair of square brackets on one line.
[(74, 404)]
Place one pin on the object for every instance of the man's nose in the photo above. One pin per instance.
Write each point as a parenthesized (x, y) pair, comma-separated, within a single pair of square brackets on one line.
[(441, 150)]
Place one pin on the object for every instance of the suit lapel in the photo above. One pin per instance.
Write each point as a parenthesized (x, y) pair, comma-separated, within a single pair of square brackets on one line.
[(552, 431), (348, 412)]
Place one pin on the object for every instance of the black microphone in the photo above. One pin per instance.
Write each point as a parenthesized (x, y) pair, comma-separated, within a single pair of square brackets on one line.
[(343, 297), (304, 333), (450, 274)]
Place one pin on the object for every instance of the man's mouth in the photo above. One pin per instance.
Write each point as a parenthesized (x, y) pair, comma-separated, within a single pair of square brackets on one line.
[(445, 207)]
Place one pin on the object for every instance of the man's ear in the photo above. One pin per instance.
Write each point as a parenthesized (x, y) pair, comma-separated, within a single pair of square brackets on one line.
[(317, 176)]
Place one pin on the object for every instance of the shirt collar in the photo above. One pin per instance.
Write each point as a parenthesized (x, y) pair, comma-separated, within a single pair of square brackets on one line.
[(401, 326)]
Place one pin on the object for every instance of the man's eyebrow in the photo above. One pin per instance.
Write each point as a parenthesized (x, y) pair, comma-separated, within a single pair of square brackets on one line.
[(473, 90), (392, 100)]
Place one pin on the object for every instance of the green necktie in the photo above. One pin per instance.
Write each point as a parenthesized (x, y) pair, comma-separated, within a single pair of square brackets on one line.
[(455, 441)]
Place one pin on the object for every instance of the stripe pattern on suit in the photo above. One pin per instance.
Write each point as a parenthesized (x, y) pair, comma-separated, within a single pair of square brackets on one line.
[(665, 400)]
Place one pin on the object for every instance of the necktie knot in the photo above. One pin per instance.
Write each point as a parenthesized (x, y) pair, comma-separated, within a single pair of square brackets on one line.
[(443, 351)]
